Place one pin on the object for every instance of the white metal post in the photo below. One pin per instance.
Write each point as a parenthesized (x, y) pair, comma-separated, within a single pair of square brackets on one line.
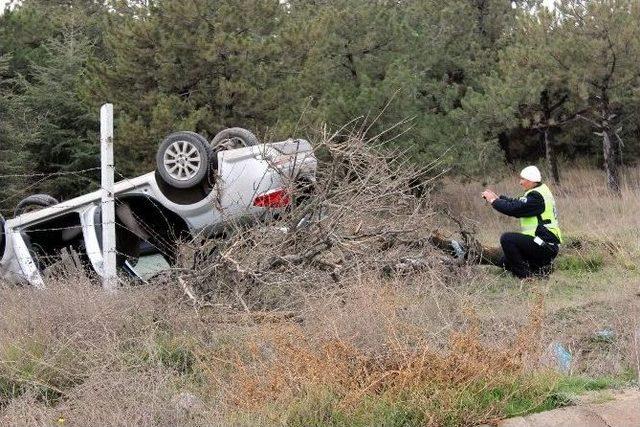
[(109, 278)]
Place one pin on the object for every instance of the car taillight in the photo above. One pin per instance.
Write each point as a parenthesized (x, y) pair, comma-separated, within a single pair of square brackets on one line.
[(278, 198)]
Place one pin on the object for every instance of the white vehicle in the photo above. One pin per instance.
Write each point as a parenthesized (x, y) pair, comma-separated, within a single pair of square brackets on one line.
[(198, 188)]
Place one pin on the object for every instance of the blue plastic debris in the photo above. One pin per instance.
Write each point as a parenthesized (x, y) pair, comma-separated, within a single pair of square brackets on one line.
[(563, 357)]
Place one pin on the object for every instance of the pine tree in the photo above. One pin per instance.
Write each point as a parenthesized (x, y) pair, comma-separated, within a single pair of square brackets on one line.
[(598, 50), (524, 93), (49, 125), (61, 130), (201, 65), (12, 154)]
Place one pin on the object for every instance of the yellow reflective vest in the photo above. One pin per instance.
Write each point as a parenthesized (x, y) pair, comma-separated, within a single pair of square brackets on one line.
[(548, 218)]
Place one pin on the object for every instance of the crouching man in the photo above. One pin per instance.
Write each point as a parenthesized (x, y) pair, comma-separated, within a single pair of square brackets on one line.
[(530, 252)]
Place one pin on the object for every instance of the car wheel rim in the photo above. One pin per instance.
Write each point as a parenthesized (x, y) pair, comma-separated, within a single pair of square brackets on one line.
[(182, 160)]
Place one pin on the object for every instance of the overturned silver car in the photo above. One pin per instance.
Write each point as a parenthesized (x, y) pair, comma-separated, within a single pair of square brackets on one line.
[(198, 188)]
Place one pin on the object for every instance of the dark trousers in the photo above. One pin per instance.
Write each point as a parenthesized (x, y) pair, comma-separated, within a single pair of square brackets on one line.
[(524, 257)]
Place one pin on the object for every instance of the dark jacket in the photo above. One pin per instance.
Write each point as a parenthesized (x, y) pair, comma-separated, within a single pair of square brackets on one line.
[(526, 206)]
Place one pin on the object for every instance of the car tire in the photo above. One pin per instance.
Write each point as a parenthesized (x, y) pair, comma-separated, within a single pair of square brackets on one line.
[(183, 159), (34, 202), (233, 138)]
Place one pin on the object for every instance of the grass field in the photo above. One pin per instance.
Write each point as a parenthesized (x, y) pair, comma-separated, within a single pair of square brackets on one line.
[(596, 282), (470, 346)]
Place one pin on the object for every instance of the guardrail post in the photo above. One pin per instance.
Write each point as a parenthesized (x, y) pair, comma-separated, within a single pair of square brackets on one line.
[(109, 278)]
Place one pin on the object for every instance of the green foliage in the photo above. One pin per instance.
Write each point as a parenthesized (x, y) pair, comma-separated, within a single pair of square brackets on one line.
[(579, 263), (578, 384), (61, 129), (173, 354), (30, 366), (472, 83), (513, 397), (50, 128), (23, 33), (12, 154), (201, 65), (164, 350), (319, 408)]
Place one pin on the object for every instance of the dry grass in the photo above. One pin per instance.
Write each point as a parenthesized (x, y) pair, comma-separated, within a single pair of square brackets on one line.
[(596, 285), (443, 345), (588, 211), (77, 353), (370, 350), (66, 349)]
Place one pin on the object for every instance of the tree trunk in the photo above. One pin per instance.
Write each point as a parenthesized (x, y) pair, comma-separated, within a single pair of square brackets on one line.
[(550, 153), (609, 144), (610, 164), (617, 146), (503, 141)]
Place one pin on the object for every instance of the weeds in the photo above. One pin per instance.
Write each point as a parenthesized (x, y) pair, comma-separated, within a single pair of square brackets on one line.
[(576, 264), (276, 338), (303, 379), (360, 357)]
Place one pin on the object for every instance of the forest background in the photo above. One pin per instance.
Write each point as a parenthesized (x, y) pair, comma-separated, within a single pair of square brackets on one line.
[(482, 85)]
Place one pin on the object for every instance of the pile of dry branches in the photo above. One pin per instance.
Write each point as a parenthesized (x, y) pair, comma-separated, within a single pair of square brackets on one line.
[(368, 212)]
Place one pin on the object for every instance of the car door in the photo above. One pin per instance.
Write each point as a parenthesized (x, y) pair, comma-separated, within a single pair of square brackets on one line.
[(22, 255), (90, 219)]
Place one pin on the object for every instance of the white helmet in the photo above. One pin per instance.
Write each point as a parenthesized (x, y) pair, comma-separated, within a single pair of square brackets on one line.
[(531, 173)]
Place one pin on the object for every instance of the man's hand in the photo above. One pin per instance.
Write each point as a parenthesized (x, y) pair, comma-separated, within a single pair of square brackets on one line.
[(489, 195)]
